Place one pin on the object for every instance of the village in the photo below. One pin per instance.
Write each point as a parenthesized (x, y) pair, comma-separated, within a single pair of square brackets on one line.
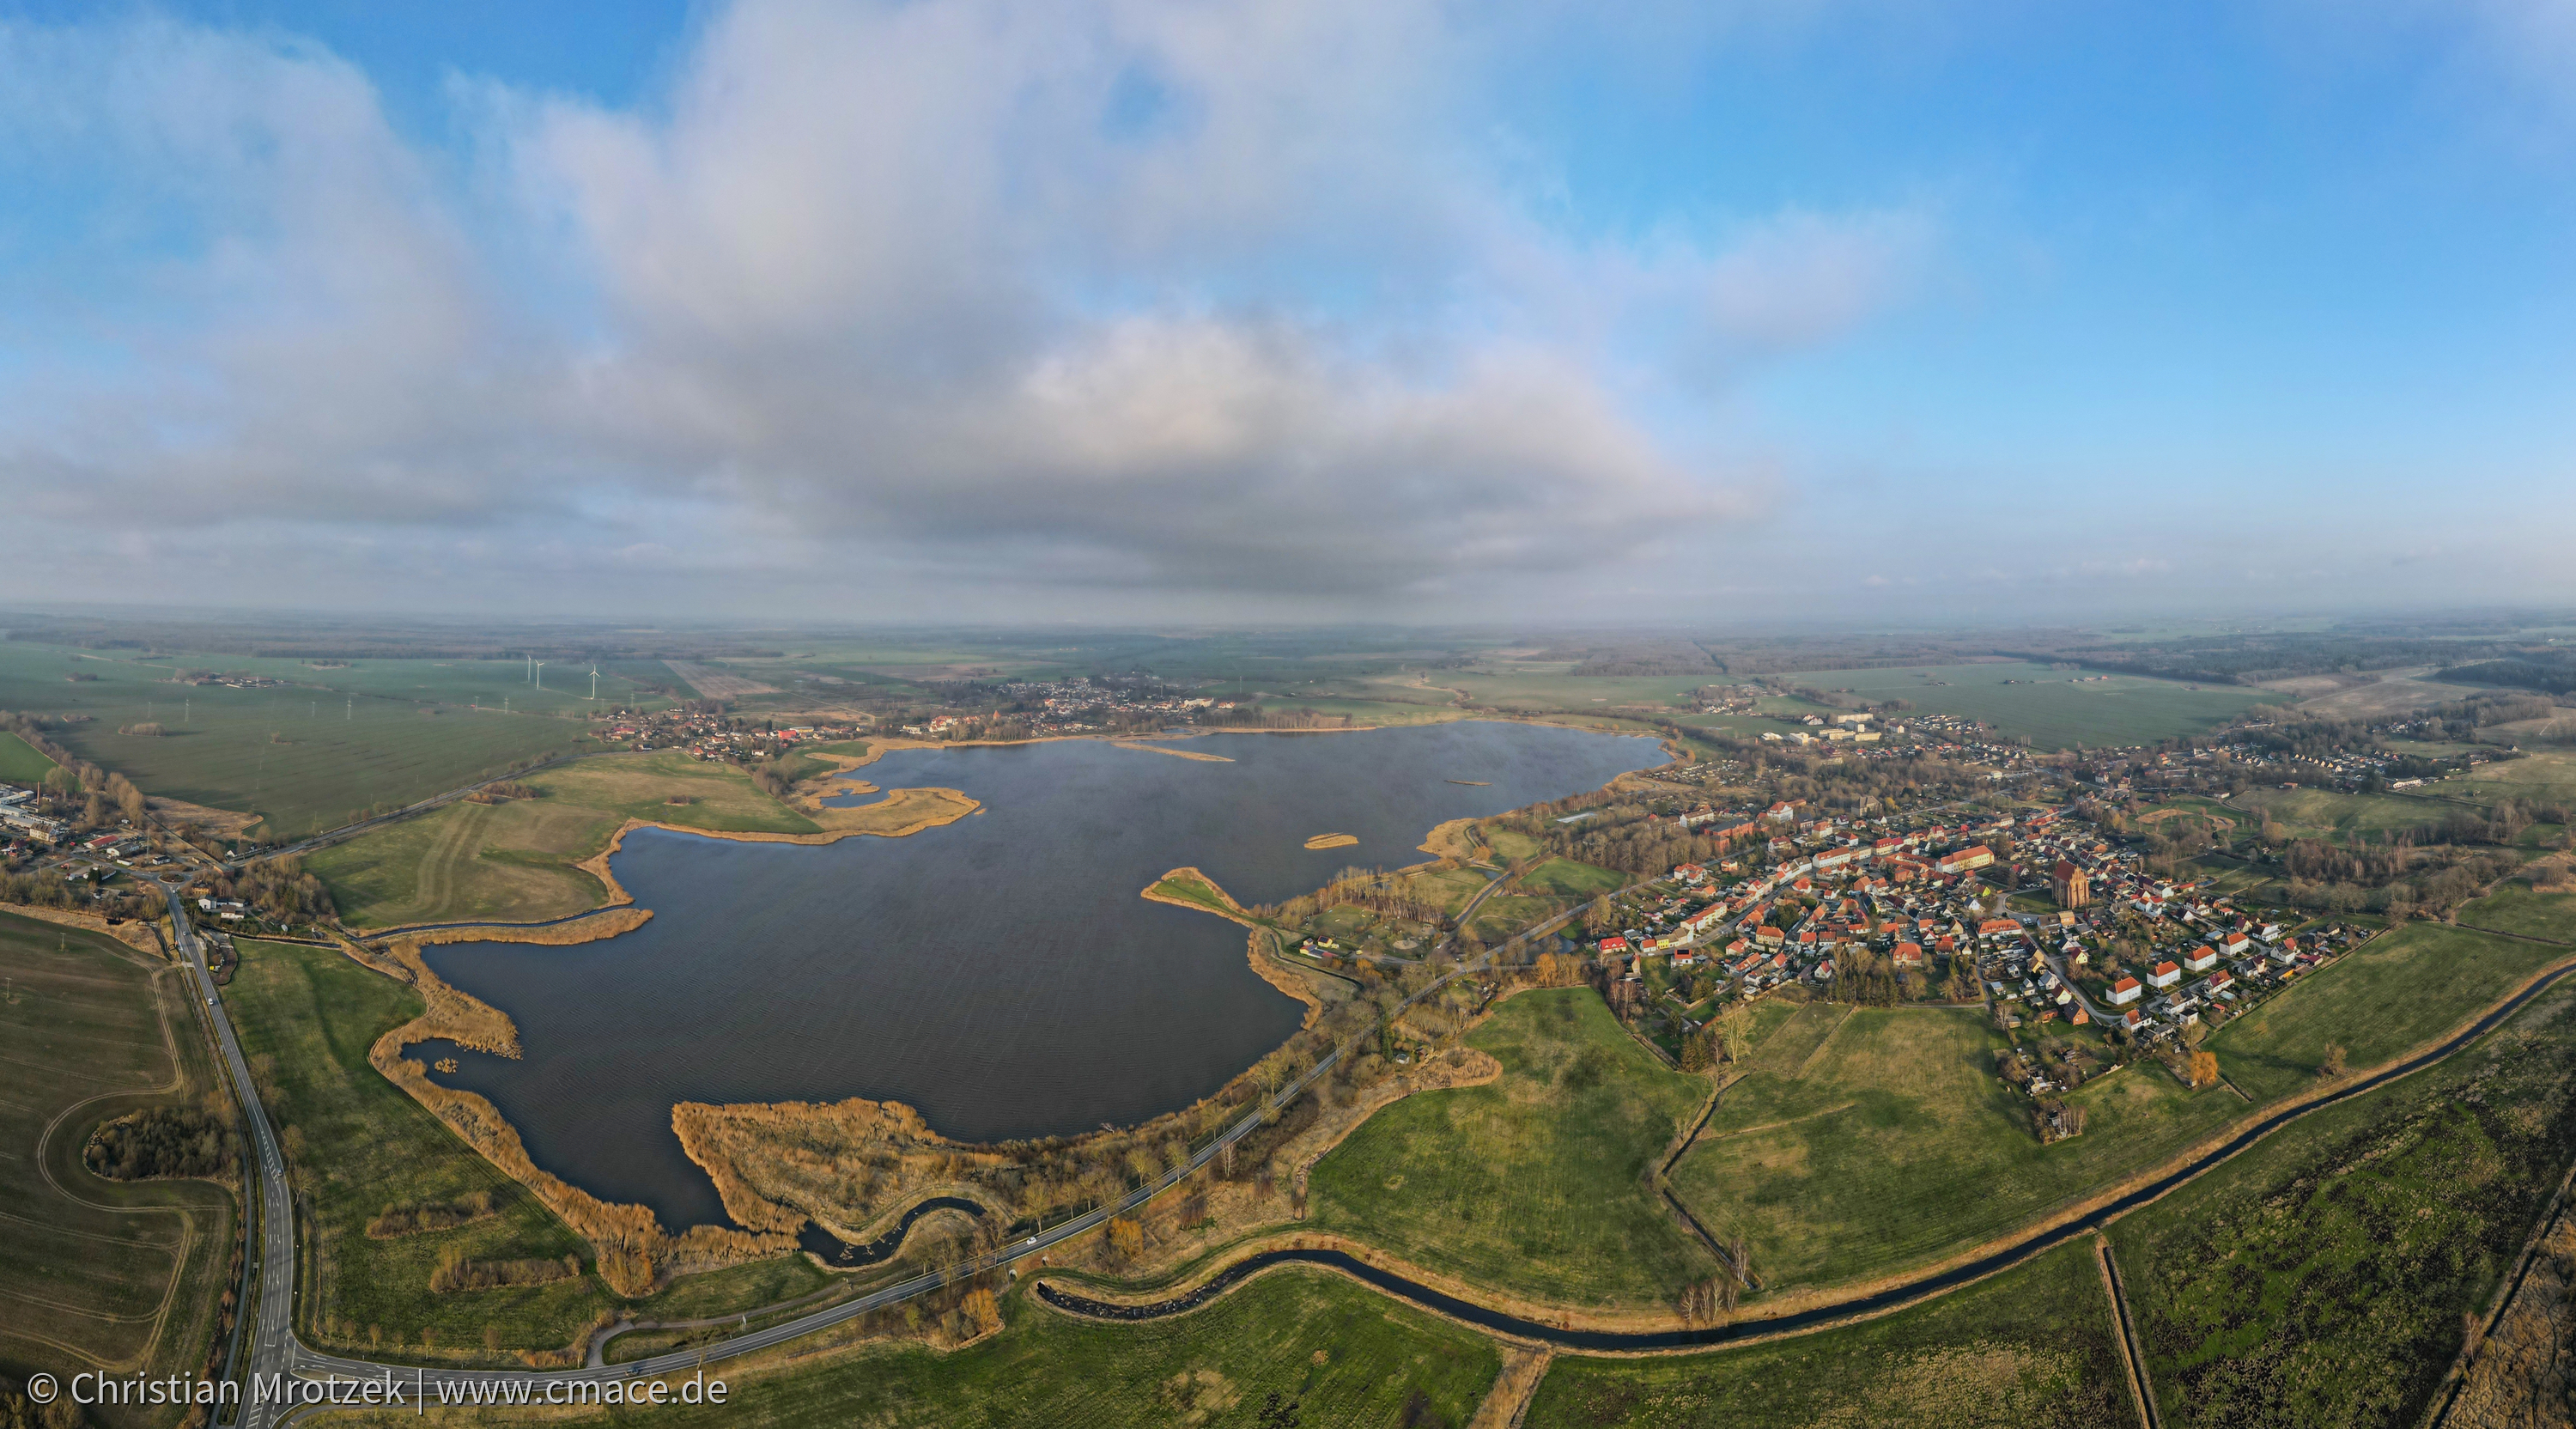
[(2042, 920)]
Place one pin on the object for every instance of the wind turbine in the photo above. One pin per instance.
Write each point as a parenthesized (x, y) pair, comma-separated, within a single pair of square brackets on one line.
[(540, 668), (594, 682)]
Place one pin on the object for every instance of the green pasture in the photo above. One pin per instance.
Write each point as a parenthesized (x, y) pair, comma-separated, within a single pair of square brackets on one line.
[(1505, 914), (2327, 814), (306, 757), (1547, 687), (1866, 1140), (1447, 889), (1342, 1354), (513, 861), (2546, 777), (2063, 708), (94, 1271), (2323, 1275), (359, 1144), (2034, 1348), (2386, 996), (2514, 908), (1535, 1184), (20, 763), (1566, 878)]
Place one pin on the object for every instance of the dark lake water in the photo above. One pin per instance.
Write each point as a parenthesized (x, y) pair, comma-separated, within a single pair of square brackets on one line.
[(1000, 974)]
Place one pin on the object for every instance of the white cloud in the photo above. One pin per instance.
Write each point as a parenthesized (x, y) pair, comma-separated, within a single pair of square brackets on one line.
[(1218, 302)]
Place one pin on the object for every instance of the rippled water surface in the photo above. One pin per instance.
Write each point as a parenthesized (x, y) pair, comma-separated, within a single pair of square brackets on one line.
[(1001, 973)]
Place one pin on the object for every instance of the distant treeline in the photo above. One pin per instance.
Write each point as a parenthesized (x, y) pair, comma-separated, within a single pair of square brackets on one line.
[(2251, 658), (2549, 677), (323, 641)]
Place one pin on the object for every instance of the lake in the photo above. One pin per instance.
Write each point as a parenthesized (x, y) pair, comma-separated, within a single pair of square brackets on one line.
[(1000, 974)]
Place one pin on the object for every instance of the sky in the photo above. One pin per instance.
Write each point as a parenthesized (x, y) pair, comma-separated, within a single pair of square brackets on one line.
[(1170, 310)]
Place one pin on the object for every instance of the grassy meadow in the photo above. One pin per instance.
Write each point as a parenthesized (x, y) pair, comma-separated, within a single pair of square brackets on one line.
[(117, 1276), (305, 756), (1535, 1184), (360, 1146), (1566, 878), (2388, 995), (2033, 1348), (513, 861), (1866, 1140), (2061, 709), (2322, 1276), (2515, 908), (1342, 1354), (20, 763)]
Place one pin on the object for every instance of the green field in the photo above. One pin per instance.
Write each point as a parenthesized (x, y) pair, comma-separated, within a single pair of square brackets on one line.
[(2514, 908), (2546, 777), (1865, 1140), (1536, 1183), (512, 862), (359, 1145), (1568, 879), (2322, 1277), (20, 763), (306, 756), (2325, 814), (1448, 889), (1548, 687), (2033, 1348), (2390, 994), (1504, 914), (1341, 1353), (2054, 712), (94, 1273)]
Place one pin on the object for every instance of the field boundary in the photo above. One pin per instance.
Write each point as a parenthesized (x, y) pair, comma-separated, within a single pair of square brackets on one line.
[(2132, 1358), (157, 980)]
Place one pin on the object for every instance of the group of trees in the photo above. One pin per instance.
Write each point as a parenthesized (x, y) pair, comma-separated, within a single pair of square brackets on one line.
[(1360, 887), (279, 889), (456, 1272), (396, 1221), (31, 890), (164, 1142)]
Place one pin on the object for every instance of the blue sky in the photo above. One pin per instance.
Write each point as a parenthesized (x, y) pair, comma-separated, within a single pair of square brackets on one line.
[(1865, 311)]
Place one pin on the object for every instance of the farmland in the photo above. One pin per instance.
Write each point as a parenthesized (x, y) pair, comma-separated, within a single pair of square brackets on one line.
[(513, 861), (1864, 1140), (1568, 879), (306, 756), (96, 1274), (2035, 1347), (2388, 995), (1536, 1183), (1339, 1352), (361, 1147), (20, 763), (2055, 709), (2322, 1276)]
